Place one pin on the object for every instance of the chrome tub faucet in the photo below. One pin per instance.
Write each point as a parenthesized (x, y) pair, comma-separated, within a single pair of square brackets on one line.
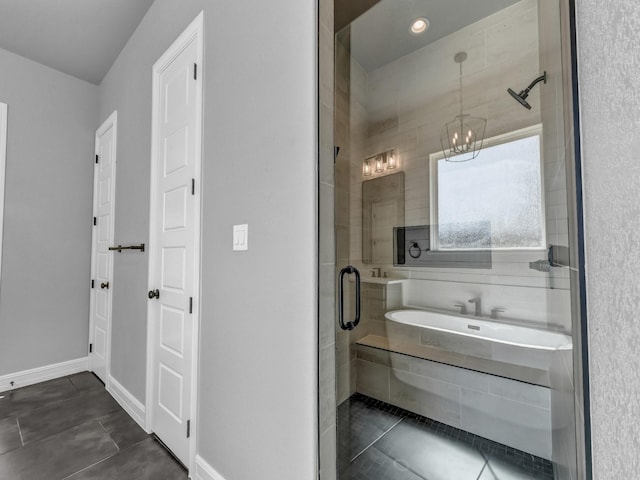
[(478, 304)]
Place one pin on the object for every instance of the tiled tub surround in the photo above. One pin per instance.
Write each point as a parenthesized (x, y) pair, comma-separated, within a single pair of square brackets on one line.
[(461, 381), (393, 294), (513, 342), (507, 411), (377, 297)]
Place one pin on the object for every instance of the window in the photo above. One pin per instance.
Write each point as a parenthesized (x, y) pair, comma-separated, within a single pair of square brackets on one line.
[(494, 201)]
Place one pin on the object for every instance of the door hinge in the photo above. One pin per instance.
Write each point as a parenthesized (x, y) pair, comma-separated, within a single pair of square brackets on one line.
[(195, 71), (190, 304), (188, 428), (96, 158), (91, 348), (193, 186), (95, 221), (93, 283)]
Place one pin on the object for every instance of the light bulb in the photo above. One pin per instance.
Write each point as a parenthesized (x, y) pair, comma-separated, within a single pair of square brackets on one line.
[(391, 161), (379, 164), (366, 168), (419, 25)]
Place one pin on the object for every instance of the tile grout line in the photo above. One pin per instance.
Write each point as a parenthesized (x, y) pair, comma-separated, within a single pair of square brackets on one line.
[(72, 384), (20, 431), (108, 433), (92, 465), (486, 464), (378, 438), (409, 469)]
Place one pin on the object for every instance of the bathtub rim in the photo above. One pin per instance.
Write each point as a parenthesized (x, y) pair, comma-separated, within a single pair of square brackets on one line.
[(516, 324)]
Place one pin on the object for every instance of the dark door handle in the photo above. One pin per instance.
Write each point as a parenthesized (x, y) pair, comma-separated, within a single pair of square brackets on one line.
[(154, 293), (104, 285), (348, 270)]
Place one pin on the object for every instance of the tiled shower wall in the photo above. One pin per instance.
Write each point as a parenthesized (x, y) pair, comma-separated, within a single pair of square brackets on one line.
[(326, 271), (345, 367), (409, 99), (403, 105)]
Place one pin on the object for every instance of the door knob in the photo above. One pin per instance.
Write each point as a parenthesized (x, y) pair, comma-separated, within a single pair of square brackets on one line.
[(154, 293), (104, 285)]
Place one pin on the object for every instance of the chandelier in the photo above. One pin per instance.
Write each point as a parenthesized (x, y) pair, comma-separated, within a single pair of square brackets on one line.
[(461, 138)]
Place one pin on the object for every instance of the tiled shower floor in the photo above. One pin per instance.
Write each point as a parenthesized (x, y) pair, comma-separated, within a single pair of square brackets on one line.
[(378, 441)]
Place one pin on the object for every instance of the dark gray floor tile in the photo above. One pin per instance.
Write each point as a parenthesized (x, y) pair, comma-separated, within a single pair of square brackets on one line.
[(86, 381), (456, 450), (58, 456), (24, 399), (499, 469), (375, 465), (430, 455), (145, 461), (123, 429), (537, 467), (9, 435), (361, 424), (59, 416)]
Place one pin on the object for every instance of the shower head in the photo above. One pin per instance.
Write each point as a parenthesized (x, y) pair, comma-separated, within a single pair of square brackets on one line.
[(522, 96)]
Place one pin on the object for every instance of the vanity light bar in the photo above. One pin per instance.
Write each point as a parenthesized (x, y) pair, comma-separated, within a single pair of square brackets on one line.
[(380, 163)]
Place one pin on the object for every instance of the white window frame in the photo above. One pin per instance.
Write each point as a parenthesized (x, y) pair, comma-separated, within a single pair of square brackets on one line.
[(489, 142)]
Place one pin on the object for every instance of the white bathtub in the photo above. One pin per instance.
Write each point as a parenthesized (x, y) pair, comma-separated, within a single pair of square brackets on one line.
[(508, 334)]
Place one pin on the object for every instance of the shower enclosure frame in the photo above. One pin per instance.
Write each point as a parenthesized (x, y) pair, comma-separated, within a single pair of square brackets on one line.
[(327, 437)]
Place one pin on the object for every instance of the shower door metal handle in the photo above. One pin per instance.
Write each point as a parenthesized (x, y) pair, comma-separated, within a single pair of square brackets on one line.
[(348, 270)]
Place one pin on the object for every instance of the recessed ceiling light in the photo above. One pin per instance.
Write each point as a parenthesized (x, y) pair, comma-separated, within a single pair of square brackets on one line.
[(419, 25)]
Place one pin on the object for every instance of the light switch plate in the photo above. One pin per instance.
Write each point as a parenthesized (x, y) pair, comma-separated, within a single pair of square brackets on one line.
[(241, 237)]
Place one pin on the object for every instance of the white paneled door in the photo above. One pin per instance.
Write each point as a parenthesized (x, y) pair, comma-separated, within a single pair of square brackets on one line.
[(101, 258), (174, 241)]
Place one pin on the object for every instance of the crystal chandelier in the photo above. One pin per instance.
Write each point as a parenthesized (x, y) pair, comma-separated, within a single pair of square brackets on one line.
[(461, 138)]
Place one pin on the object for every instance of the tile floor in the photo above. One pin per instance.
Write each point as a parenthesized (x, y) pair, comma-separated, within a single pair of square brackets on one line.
[(378, 441), (71, 428)]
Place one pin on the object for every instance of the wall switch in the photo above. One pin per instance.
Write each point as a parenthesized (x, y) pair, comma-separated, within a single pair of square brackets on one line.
[(241, 237)]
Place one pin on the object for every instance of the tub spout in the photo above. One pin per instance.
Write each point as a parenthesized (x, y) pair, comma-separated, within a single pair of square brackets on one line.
[(478, 304)]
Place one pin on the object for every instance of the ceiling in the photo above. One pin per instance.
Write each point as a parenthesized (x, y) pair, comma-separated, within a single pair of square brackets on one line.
[(81, 38), (382, 34)]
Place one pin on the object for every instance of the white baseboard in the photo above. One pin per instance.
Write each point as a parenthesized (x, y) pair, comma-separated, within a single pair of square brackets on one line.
[(42, 374), (127, 401), (204, 471)]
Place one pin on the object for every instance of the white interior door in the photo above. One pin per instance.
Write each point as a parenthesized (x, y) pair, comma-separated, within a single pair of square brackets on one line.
[(174, 242), (101, 258)]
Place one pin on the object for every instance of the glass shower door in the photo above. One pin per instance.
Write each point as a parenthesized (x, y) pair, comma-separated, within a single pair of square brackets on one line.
[(455, 293)]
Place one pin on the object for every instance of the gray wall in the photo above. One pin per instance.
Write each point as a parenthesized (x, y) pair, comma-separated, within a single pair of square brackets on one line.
[(609, 67), (259, 331), (44, 292)]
